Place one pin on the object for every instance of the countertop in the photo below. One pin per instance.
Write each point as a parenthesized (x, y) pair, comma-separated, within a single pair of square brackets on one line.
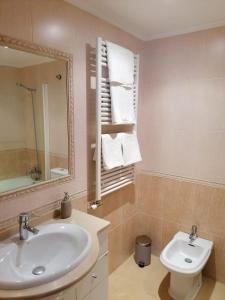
[(94, 226)]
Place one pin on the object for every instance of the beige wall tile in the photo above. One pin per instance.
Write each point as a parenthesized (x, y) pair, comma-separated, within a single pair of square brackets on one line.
[(120, 209), (13, 163), (178, 202), (150, 195), (184, 204), (116, 253), (215, 46), (215, 265), (111, 210), (170, 229), (216, 220), (16, 18), (152, 227), (129, 201), (80, 204), (130, 232), (181, 114), (62, 26), (203, 200)]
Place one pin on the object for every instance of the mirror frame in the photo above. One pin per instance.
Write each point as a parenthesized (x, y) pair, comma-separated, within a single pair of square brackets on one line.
[(30, 47)]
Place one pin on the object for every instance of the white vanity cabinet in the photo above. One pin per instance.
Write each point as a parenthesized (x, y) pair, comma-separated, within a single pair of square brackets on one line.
[(96, 281), (99, 293), (94, 286), (68, 294)]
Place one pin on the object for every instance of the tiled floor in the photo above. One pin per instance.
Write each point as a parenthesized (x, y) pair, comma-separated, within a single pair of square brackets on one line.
[(129, 282)]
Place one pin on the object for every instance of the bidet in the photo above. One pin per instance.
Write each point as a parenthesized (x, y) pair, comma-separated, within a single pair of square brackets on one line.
[(185, 261)]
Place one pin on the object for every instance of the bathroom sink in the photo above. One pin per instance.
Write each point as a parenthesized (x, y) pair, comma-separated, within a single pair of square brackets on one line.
[(55, 250)]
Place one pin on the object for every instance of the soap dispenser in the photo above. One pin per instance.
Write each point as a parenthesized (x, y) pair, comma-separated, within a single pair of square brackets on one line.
[(66, 207)]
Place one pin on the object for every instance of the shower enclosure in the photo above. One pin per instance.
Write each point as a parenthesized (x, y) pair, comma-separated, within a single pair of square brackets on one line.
[(35, 171), (36, 130), (31, 157)]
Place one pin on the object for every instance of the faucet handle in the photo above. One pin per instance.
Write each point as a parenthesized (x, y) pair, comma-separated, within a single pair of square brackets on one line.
[(194, 228), (25, 216)]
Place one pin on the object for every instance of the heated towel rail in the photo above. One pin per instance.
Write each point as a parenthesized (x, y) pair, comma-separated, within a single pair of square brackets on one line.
[(108, 181)]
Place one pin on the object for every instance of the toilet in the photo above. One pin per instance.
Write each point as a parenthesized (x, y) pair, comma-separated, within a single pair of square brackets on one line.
[(185, 261)]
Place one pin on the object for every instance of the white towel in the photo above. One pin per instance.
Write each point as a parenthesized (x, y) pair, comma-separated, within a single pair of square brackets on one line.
[(122, 107), (131, 151), (120, 64), (112, 151)]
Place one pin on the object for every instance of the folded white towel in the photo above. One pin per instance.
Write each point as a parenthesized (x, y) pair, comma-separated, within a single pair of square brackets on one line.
[(112, 151), (122, 107), (131, 151), (120, 64)]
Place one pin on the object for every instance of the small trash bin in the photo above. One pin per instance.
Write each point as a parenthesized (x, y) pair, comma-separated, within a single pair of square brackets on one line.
[(142, 254)]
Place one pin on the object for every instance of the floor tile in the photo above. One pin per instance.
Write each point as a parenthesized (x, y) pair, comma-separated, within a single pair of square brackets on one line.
[(129, 282)]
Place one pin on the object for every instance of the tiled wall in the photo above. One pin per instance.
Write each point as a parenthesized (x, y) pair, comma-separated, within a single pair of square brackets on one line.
[(60, 25), (167, 206), (182, 135), (160, 207), (13, 163), (181, 123), (12, 135), (18, 162), (58, 161), (120, 208)]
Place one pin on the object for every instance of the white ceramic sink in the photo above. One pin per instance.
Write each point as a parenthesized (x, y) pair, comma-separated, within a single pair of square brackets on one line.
[(56, 249)]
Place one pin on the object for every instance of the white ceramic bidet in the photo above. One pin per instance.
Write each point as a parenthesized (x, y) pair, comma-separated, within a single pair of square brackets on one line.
[(185, 261)]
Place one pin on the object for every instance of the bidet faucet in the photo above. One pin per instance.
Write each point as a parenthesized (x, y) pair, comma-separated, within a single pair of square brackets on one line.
[(193, 235), (25, 228)]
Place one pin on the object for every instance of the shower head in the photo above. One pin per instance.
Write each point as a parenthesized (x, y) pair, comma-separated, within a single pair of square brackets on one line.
[(25, 87)]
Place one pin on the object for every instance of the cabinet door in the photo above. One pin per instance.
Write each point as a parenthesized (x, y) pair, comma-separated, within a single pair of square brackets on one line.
[(67, 294), (103, 242), (95, 276), (100, 292)]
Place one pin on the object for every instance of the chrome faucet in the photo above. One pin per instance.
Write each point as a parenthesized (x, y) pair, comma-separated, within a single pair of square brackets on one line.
[(193, 235), (24, 229)]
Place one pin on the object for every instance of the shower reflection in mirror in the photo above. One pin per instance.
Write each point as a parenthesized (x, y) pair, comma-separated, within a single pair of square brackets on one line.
[(33, 114)]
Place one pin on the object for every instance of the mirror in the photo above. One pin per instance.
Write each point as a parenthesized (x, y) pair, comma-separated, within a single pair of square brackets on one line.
[(34, 98)]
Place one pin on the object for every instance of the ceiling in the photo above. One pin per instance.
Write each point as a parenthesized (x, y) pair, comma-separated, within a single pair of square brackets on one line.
[(20, 59), (153, 19)]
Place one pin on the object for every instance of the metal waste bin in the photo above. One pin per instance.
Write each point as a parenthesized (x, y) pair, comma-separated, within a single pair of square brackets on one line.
[(142, 254)]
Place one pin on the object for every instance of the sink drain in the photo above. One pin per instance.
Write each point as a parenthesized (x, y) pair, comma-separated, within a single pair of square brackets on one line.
[(188, 260), (38, 270)]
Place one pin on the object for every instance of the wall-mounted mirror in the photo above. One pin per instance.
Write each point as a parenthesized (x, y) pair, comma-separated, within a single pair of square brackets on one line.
[(34, 100)]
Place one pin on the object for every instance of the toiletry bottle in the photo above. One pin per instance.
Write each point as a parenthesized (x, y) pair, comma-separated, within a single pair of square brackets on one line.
[(66, 207)]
